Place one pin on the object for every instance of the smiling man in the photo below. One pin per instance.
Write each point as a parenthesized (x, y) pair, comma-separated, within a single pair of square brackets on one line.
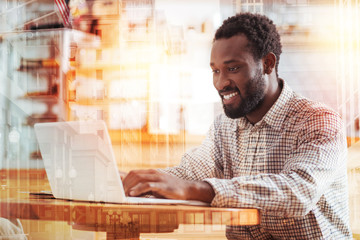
[(272, 149)]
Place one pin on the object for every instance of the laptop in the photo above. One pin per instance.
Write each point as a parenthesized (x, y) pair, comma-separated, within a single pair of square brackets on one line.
[(80, 164)]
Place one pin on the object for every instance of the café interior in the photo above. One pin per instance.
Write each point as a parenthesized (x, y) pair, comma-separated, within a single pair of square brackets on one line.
[(142, 66)]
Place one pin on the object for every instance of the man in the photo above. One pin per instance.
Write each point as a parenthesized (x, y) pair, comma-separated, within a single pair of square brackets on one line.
[(274, 150)]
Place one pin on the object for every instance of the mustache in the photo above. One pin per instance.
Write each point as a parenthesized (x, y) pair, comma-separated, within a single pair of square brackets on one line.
[(227, 89)]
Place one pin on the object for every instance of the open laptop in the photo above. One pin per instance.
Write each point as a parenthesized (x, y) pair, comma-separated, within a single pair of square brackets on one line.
[(80, 164)]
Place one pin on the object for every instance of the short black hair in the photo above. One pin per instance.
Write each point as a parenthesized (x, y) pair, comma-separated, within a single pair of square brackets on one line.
[(260, 31)]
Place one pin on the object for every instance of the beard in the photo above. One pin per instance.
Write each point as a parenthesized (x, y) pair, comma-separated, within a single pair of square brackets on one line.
[(255, 92)]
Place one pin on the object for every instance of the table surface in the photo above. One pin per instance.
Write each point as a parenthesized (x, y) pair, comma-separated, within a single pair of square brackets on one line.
[(119, 221)]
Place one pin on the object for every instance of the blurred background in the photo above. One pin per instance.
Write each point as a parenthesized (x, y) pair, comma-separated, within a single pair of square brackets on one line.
[(143, 67)]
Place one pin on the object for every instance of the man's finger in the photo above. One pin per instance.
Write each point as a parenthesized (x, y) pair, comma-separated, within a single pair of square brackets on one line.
[(122, 175), (134, 178), (143, 188)]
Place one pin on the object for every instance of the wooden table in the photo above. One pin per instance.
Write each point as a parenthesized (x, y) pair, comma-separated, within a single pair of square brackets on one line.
[(119, 221)]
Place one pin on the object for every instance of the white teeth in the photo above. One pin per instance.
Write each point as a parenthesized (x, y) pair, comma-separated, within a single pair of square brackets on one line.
[(230, 95)]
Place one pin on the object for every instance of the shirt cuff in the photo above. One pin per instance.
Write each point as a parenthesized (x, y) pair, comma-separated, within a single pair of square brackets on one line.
[(224, 192)]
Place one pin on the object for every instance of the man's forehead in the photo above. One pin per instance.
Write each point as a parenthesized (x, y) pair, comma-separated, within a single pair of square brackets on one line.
[(227, 47)]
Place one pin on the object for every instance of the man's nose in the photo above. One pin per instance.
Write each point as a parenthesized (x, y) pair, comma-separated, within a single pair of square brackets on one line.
[(221, 81)]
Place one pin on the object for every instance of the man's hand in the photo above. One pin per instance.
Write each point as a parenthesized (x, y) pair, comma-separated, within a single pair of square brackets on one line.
[(140, 182)]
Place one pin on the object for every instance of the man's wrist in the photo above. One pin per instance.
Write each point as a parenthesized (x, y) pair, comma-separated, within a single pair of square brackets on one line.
[(202, 191)]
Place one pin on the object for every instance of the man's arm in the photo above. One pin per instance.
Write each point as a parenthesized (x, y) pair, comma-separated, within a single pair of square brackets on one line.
[(317, 166), (310, 170), (186, 180)]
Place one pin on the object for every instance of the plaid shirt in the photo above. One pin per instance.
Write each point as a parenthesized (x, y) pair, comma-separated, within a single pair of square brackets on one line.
[(291, 165)]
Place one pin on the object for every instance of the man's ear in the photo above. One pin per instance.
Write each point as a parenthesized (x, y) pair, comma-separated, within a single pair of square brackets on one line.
[(269, 62)]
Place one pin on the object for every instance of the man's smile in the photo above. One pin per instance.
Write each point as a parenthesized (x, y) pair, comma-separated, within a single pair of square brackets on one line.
[(229, 97)]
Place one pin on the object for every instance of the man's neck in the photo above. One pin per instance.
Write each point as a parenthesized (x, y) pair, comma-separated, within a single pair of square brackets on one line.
[(273, 94)]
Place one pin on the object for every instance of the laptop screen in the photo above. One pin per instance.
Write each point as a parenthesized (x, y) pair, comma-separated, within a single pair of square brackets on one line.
[(79, 161)]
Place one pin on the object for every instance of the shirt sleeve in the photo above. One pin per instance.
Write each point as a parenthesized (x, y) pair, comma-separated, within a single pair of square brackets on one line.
[(314, 167), (201, 162)]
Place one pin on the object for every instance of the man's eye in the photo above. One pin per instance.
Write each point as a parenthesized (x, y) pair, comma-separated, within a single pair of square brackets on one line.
[(215, 71), (232, 69)]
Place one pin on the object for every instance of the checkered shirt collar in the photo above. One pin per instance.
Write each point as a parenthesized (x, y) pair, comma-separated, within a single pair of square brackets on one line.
[(276, 114)]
